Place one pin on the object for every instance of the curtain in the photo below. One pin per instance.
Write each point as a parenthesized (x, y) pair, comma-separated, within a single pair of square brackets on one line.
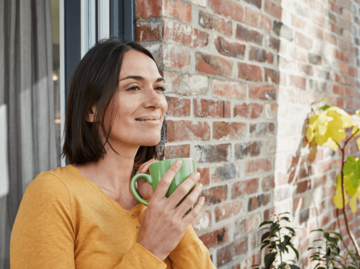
[(27, 130)]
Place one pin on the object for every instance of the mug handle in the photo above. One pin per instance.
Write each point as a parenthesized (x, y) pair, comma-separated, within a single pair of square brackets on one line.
[(133, 189)]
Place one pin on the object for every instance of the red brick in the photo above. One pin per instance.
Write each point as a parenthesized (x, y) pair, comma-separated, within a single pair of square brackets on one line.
[(202, 221), (256, 3), (215, 238), (249, 72), (256, 110), (178, 9), (272, 76), (227, 8), (176, 57), (316, 5), (335, 29), (257, 201), (268, 183), (324, 166), (262, 92), (229, 89), (269, 57), (242, 110), (271, 111), (262, 129), (214, 65), (306, 68), (258, 165), (215, 195), (178, 107), (148, 31), (185, 35), (210, 108), (338, 90), (213, 153), (229, 252), (254, 18), (350, 93), (303, 186), (204, 175), (342, 67), (231, 49), (248, 187), (330, 38), (273, 9), (187, 130), (319, 181), (319, 20), (171, 80), (316, 32), (257, 54), (210, 21), (229, 130), (178, 151), (334, 7), (147, 8), (243, 33), (247, 149), (225, 211), (298, 82), (303, 40)]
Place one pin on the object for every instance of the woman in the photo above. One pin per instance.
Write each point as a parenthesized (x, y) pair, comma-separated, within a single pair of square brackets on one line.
[(84, 215)]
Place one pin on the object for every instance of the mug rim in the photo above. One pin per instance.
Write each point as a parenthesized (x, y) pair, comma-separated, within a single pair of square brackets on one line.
[(172, 160)]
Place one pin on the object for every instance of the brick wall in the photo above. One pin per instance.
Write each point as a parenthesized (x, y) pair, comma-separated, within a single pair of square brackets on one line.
[(240, 76)]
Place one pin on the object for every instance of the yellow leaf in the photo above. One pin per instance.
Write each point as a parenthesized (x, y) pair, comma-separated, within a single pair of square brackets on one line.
[(309, 134), (358, 142), (348, 185), (331, 144), (357, 112), (338, 198), (355, 130), (352, 204)]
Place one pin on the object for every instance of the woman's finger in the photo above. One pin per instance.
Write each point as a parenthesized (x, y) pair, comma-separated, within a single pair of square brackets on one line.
[(182, 190), (145, 166), (166, 180), (189, 200), (187, 219)]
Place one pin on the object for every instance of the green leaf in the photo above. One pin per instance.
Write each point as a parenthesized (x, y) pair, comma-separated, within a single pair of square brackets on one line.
[(293, 266), (290, 229), (281, 248), (342, 265), (264, 245), (296, 252), (286, 240), (274, 227), (327, 236), (269, 259), (264, 223), (324, 107), (264, 236), (352, 168), (285, 213), (338, 235), (317, 230), (285, 218)]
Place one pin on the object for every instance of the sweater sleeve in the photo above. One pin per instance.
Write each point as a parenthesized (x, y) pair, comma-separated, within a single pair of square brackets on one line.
[(43, 232), (191, 253)]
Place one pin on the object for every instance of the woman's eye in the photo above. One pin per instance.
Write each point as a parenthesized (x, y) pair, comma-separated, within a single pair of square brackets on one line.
[(133, 88), (160, 88)]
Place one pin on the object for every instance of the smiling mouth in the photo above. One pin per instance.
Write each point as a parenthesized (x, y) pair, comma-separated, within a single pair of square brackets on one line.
[(147, 120)]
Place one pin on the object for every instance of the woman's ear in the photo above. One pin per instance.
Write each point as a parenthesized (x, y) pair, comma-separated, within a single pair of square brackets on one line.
[(91, 115)]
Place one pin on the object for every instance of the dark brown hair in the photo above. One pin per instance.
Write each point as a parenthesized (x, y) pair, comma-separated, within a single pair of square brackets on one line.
[(95, 81)]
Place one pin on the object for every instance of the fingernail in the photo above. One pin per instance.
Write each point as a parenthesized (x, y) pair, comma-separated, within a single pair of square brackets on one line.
[(200, 186), (178, 163), (197, 175), (202, 199)]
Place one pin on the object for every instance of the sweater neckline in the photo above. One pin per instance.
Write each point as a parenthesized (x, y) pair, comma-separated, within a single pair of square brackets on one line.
[(135, 210)]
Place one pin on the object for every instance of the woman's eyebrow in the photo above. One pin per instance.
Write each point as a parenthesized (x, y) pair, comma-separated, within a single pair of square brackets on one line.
[(140, 78)]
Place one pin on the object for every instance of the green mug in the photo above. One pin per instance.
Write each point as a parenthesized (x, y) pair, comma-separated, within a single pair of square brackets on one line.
[(157, 171)]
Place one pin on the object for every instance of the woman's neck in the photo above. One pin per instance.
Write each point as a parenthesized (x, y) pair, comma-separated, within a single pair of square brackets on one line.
[(113, 174)]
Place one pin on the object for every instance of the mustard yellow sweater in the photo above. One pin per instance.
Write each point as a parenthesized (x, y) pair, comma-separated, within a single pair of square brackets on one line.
[(66, 221)]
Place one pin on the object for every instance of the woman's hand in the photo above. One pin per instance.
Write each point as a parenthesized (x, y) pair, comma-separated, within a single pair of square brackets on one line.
[(163, 222), (144, 188)]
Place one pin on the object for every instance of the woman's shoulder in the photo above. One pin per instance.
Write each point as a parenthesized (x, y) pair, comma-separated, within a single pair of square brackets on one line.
[(59, 181)]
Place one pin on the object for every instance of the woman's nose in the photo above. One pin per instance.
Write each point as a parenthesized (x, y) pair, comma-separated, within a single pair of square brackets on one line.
[(153, 98)]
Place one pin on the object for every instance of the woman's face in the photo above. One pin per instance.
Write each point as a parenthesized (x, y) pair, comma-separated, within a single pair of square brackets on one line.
[(141, 104)]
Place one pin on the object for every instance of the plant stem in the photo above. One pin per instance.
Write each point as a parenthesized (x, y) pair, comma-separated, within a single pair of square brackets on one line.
[(343, 196)]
